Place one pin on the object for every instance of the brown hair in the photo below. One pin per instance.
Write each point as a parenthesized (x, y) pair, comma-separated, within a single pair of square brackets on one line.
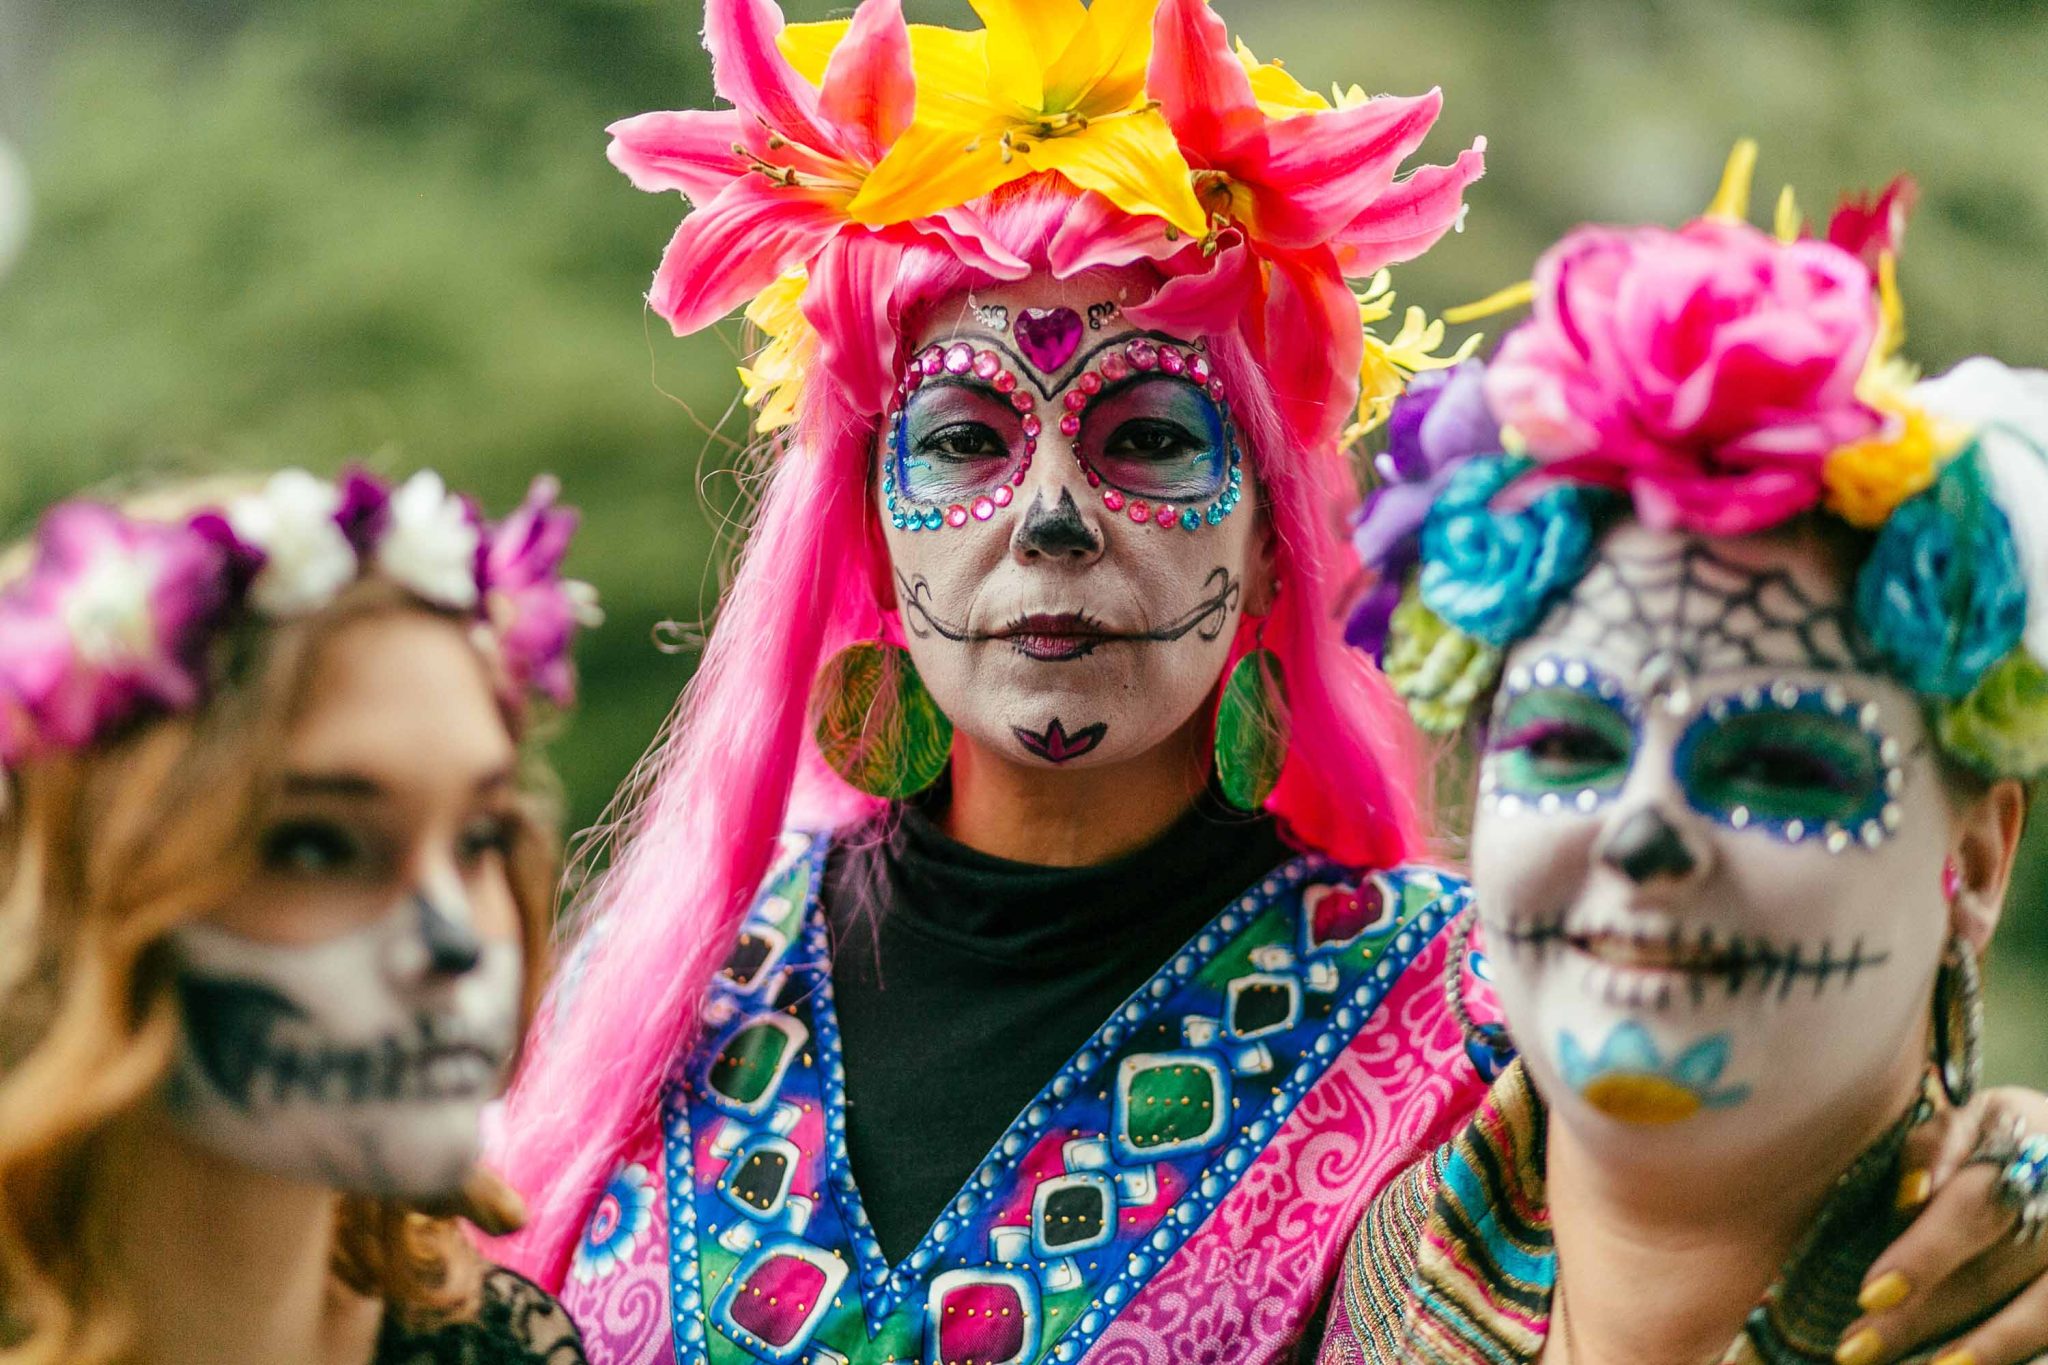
[(102, 853)]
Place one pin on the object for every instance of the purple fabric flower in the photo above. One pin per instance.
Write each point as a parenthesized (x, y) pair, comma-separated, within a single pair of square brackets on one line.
[(112, 617), (1435, 427), (533, 611)]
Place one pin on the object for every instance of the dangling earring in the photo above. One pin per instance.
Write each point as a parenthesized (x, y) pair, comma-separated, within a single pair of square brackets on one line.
[(1251, 727), (1488, 1045), (875, 723), (1959, 1022)]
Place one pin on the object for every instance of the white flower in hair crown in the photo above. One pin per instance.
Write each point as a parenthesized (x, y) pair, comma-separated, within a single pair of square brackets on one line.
[(306, 558), (431, 543)]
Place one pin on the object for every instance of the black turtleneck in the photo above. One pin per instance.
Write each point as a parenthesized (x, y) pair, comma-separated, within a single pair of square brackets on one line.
[(964, 982)]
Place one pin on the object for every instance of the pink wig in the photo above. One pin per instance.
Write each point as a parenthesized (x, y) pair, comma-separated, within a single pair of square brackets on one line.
[(736, 764)]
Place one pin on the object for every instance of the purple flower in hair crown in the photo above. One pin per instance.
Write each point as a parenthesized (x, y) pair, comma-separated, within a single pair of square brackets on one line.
[(1439, 424), (115, 615)]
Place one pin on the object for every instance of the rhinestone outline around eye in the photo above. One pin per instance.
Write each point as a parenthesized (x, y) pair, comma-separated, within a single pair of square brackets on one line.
[(1542, 674), (1870, 827), (907, 513), (1140, 354)]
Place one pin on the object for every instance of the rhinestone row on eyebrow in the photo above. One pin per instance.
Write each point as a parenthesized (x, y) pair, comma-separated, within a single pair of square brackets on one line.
[(1141, 354)]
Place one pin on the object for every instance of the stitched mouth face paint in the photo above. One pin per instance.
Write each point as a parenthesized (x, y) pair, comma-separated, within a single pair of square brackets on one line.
[(1705, 850), (362, 1063)]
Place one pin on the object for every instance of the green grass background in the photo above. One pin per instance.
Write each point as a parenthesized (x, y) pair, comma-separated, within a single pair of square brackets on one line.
[(303, 231)]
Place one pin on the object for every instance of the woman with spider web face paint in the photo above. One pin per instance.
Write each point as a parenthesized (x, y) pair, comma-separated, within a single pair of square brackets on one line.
[(1021, 896), (1749, 624)]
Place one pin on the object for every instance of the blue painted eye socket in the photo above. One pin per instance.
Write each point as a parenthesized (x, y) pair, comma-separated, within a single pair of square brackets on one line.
[(1563, 732), (1157, 437), (954, 440), (1797, 763)]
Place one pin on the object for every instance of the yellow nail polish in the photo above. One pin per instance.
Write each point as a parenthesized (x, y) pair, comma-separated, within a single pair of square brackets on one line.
[(1915, 1188), (1861, 1349), (1957, 1358), (1885, 1293)]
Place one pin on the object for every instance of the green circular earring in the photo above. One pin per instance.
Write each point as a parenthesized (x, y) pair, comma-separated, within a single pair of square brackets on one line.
[(1251, 730), (875, 723)]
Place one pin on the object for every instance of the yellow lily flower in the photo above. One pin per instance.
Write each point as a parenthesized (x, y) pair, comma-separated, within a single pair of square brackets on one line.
[(1391, 362), (1047, 85), (777, 374), (1279, 95)]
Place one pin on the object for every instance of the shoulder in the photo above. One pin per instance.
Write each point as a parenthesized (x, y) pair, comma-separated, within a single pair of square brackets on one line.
[(516, 1323), (1374, 1297)]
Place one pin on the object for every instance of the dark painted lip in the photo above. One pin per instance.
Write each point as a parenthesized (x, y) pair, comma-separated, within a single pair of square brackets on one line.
[(1055, 637)]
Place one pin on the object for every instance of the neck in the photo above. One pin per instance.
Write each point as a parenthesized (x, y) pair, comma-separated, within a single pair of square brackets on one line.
[(264, 1296), (1662, 1257), (1071, 818)]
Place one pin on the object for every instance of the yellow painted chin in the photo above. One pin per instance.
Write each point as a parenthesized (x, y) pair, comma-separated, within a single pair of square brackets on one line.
[(1634, 1097)]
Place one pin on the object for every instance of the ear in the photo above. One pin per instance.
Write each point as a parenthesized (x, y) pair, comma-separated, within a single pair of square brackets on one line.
[(1986, 839)]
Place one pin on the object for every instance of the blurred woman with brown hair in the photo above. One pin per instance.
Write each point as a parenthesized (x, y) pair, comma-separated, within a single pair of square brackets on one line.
[(277, 892)]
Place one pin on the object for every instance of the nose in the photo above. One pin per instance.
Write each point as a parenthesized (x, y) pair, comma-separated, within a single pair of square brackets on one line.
[(452, 947), (1645, 847), (1060, 531)]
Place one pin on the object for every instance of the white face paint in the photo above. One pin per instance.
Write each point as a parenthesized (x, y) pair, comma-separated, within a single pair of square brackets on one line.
[(1070, 517), (362, 1063), (1709, 850)]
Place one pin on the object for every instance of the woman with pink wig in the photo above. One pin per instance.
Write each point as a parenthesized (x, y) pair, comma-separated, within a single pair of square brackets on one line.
[(1011, 952)]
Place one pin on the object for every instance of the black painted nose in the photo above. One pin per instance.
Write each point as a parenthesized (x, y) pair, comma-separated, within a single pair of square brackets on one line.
[(1059, 532), (1647, 847), (452, 946)]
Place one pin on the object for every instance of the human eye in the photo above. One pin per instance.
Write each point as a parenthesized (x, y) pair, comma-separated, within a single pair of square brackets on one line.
[(309, 847), (488, 836), (1558, 739), (1784, 765), (1151, 438), (963, 441)]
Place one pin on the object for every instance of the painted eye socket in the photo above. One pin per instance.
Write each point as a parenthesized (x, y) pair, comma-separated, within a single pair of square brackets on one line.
[(484, 838), (1560, 739), (953, 440), (311, 848), (1779, 766), (1156, 437)]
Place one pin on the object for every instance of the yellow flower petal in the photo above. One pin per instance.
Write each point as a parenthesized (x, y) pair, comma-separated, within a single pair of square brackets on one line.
[(1133, 161), (1731, 200), (809, 46), (1277, 92), (776, 377), (1028, 36), (951, 69), (1866, 482), (931, 168), (1102, 69)]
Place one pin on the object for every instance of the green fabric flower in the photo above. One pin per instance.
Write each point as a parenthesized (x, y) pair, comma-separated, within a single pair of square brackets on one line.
[(1437, 669), (2001, 728)]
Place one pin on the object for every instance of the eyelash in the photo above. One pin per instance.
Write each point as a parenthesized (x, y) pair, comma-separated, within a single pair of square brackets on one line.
[(336, 848)]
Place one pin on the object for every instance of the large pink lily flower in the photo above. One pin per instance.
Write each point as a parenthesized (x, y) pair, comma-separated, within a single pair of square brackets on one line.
[(771, 180), (1301, 195)]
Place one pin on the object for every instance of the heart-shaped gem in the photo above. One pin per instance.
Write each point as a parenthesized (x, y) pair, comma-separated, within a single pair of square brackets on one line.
[(1048, 337)]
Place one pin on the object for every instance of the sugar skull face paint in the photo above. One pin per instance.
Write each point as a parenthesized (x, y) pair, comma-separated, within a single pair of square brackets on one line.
[(363, 1063), (1708, 846), (348, 1012), (1067, 568)]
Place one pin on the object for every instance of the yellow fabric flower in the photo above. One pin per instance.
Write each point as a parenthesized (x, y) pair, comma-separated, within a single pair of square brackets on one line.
[(1391, 362), (1437, 669), (2001, 728), (777, 374), (1865, 482), (1047, 85)]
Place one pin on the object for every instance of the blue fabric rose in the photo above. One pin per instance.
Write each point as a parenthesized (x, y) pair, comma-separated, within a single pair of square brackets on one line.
[(1942, 597), (1492, 573), (1437, 425)]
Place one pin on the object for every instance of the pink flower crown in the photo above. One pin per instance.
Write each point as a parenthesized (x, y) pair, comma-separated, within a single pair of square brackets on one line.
[(116, 614), (853, 142)]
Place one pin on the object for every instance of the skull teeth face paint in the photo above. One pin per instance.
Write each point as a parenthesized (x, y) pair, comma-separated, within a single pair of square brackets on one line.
[(1708, 846), (1068, 570), (362, 1063)]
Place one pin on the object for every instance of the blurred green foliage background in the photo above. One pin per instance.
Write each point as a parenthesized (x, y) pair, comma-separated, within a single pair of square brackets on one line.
[(305, 231)]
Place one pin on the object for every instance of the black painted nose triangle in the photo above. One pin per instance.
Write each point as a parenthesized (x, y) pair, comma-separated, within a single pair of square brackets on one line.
[(1647, 847), (452, 946)]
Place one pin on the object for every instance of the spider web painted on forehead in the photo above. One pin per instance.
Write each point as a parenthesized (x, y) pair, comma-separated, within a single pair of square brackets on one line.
[(1695, 611)]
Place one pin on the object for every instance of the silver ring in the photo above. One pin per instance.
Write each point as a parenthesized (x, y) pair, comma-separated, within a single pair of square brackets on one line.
[(2021, 1159)]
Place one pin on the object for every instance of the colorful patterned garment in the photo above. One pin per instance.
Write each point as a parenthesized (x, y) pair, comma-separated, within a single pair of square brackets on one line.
[(1181, 1189), (1453, 1263)]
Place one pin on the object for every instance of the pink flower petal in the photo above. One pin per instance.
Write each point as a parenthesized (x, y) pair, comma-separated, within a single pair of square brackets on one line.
[(1207, 96), (868, 89), (1319, 169), (1096, 234), (1314, 346), (1411, 217), (735, 246), (689, 151), (969, 239), (749, 71), (1205, 301)]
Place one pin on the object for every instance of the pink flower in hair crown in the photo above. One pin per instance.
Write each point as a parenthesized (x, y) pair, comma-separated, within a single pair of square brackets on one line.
[(1707, 372), (533, 611), (111, 619)]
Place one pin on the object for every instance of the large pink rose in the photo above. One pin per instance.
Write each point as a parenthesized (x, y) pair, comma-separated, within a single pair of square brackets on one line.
[(1707, 372)]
